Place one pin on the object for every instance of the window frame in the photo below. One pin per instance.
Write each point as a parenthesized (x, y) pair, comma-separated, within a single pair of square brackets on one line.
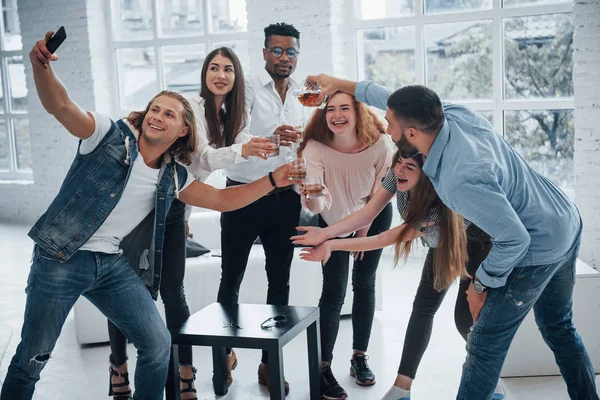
[(207, 39), (498, 104)]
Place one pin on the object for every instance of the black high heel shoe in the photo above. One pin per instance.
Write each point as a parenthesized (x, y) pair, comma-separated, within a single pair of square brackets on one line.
[(111, 386), (189, 383)]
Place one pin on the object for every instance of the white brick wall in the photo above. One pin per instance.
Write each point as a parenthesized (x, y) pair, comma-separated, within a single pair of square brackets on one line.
[(53, 148), (586, 78)]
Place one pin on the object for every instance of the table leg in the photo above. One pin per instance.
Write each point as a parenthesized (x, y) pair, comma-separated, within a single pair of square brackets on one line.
[(313, 339), (219, 370), (276, 378), (172, 389)]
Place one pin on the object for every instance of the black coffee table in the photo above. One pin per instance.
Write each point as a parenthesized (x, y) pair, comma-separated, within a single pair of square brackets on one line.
[(239, 325)]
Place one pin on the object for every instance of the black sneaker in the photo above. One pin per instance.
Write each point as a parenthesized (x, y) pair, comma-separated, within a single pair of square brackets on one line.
[(330, 388), (360, 371)]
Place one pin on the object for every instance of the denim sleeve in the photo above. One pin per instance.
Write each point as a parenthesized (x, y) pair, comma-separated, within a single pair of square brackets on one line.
[(483, 202), (371, 93)]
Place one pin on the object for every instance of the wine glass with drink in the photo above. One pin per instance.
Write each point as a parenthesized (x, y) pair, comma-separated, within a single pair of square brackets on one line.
[(308, 95)]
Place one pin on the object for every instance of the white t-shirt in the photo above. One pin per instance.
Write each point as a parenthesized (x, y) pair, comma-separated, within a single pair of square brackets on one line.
[(136, 202)]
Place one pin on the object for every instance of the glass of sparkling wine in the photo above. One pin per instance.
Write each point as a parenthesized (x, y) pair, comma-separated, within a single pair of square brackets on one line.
[(298, 170), (313, 187)]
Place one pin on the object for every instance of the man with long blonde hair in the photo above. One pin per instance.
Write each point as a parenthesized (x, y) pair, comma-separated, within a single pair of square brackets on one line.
[(123, 171)]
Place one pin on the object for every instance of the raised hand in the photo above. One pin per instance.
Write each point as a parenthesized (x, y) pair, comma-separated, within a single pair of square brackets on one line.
[(288, 135), (258, 147), (39, 54)]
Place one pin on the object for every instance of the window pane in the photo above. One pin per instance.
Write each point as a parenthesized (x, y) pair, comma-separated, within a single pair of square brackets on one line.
[(229, 16), (545, 138), (18, 87), (508, 3), (240, 47), (459, 59), (137, 76), (134, 20), (23, 144), (539, 56), (12, 33), (449, 6), (373, 9), (182, 67), (4, 147), (1, 97), (388, 55), (181, 18)]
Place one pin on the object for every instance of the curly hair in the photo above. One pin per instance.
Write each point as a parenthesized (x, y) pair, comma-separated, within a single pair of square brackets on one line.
[(281, 29), (368, 126), (183, 147)]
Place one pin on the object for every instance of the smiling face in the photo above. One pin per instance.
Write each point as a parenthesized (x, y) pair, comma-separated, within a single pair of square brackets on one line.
[(164, 122), (280, 67), (341, 114), (407, 173), (220, 75)]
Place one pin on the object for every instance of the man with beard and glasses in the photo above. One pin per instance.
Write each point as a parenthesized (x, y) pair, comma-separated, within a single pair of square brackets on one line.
[(535, 230), (274, 110)]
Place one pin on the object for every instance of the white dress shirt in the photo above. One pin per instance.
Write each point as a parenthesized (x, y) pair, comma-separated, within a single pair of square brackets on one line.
[(267, 112)]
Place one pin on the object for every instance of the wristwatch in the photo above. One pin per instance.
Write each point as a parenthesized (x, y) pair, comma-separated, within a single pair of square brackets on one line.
[(478, 286)]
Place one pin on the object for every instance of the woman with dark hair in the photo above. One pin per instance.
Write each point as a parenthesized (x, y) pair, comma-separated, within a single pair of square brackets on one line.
[(439, 228), (345, 146), (221, 116)]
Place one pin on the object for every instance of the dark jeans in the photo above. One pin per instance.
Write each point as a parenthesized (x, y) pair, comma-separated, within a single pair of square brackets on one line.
[(273, 218), (171, 287), (548, 289), (114, 288), (428, 300), (335, 282)]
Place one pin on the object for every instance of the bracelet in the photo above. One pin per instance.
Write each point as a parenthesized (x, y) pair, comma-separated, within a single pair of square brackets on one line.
[(272, 180)]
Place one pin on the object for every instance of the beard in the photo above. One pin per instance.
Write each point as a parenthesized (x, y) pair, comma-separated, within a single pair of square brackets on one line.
[(406, 149)]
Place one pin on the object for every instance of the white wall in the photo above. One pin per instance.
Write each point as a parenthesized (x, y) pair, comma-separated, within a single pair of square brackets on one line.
[(586, 79)]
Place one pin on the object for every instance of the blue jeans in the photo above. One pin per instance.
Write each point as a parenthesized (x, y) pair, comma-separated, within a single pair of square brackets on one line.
[(548, 289), (112, 286)]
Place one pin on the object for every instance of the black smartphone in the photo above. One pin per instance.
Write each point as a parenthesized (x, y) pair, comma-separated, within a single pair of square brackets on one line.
[(56, 40)]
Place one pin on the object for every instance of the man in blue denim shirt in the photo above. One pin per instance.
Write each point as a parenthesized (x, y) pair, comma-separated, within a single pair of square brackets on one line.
[(122, 172), (535, 230)]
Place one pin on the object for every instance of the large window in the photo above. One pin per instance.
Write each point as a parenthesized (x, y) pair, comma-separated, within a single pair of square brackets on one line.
[(15, 143), (511, 60), (161, 44)]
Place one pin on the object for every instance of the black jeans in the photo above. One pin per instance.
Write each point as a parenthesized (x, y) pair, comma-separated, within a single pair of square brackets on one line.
[(171, 287), (428, 300), (273, 218), (335, 282)]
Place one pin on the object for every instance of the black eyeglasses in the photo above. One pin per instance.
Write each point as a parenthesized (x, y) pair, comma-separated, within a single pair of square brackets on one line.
[(277, 320), (278, 51)]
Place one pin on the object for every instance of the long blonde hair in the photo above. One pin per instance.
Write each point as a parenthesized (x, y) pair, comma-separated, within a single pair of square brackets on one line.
[(185, 146), (368, 126), (451, 253)]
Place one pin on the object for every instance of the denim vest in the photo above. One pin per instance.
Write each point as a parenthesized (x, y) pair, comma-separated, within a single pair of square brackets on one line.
[(90, 191)]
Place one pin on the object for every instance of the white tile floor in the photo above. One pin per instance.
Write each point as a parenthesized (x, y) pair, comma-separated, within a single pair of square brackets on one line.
[(81, 373)]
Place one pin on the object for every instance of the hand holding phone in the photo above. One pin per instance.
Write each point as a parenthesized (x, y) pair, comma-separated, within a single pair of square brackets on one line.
[(43, 51), (56, 40)]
